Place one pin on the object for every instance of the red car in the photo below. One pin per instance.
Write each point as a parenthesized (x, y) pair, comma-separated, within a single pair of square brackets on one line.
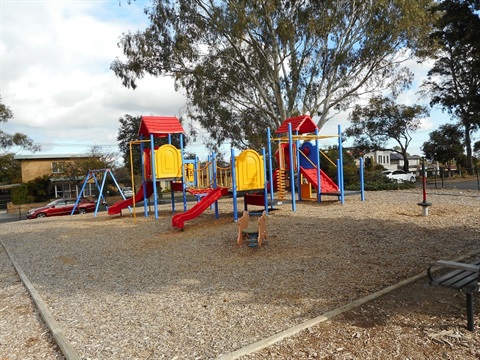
[(62, 207)]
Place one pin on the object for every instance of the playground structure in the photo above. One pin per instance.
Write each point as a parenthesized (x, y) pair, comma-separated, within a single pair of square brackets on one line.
[(303, 160), (93, 175), (245, 174)]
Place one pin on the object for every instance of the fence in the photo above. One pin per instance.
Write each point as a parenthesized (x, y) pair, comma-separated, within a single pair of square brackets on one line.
[(468, 179)]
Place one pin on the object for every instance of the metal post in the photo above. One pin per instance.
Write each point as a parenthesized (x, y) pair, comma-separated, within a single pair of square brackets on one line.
[(184, 185), (214, 174), (317, 158), (265, 194), (154, 176), (341, 182), (144, 178), (362, 180), (292, 170), (470, 321), (270, 166), (234, 185)]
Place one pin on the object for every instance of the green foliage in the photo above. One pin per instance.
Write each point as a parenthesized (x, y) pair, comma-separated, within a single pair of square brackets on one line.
[(20, 195), (382, 120), (10, 170), (248, 65), (444, 145), (454, 81), (39, 189), (128, 131)]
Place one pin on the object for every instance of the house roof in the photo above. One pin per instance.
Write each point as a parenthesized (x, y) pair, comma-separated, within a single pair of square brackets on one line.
[(303, 124), (397, 156), (160, 126)]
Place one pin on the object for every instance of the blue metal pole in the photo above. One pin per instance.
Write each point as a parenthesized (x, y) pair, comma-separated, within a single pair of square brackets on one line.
[(299, 180), (154, 175), (195, 172), (265, 193), (270, 166), (317, 159), (292, 170), (80, 193), (144, 180), (234, 186), (362, 183), (340, 158), (100, 195), (184, 185), (214, 170)]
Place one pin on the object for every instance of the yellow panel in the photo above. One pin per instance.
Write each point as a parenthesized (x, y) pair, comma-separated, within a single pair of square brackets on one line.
[(189, 171), (168, 162), (249, 171)]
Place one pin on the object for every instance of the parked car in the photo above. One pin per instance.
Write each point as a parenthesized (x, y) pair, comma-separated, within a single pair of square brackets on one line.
[(399, 175), (62, 207), (127, 191)]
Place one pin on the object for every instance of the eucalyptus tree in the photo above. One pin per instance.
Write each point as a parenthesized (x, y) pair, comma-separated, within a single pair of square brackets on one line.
[(246, 65), (445, 145), (454, 81)]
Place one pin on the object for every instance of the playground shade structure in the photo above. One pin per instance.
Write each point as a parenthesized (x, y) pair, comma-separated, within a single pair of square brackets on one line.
[(122, 204), (326, 183), (178, 220)]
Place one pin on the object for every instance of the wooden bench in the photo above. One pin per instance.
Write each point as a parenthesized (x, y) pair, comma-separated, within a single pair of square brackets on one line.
[(465, 278)]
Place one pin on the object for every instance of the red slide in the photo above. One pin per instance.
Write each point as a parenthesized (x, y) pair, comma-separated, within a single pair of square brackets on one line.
[(328, 185), (178, 220), (122, 204)]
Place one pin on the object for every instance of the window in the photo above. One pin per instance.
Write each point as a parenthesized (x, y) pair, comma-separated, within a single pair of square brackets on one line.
[(57, 167)]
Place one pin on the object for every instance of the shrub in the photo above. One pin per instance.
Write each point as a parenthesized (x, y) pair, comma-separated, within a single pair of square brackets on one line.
[(20, 195)]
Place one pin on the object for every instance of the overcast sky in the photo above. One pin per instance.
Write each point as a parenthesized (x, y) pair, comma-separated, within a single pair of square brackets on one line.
[(56, 77)]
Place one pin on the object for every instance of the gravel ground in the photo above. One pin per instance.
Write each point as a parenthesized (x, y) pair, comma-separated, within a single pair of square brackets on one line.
[(125, 289)]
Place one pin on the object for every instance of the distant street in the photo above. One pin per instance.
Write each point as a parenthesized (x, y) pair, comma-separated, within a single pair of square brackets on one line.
[(451, 184), (11, 217), (4, 217)]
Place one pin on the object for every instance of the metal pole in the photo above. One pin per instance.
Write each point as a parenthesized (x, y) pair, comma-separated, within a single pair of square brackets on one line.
[(234, 187), (362, 180), (270, 167), (292, 170), (317, 159), (265, 193)]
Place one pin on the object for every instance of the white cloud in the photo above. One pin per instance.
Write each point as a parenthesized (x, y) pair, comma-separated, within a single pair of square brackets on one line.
[(56, 77)]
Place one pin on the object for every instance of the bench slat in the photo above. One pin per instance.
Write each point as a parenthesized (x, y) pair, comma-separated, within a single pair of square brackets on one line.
[(446, 277), (466, 282), (465, 278)]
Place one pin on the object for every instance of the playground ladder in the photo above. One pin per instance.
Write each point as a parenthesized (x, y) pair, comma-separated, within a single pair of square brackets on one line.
[(281, 184)]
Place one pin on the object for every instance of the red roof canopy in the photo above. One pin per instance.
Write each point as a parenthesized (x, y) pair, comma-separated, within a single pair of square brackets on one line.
[(303, 124), (160, 126)]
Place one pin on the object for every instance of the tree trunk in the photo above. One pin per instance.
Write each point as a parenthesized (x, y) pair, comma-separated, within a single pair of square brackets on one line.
[(468, 148), (406, 164)]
